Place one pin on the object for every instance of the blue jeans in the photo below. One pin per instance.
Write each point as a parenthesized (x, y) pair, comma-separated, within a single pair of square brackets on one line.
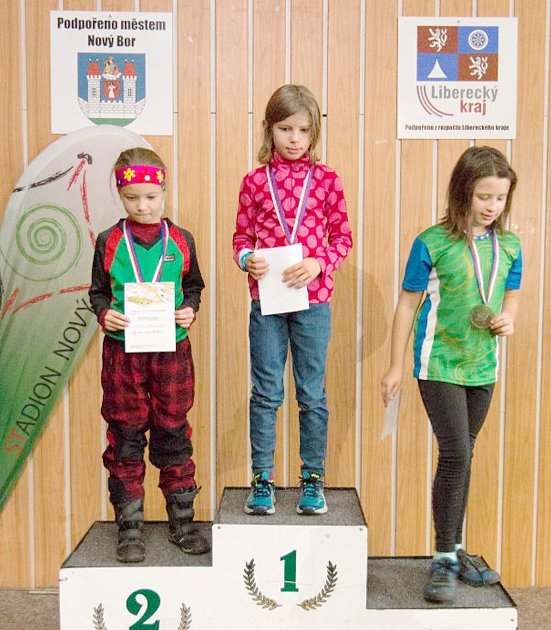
[(308, 333)]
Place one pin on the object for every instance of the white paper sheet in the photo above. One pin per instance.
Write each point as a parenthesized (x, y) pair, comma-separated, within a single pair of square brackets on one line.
[(275, 296), (391, 415), (150, 307)]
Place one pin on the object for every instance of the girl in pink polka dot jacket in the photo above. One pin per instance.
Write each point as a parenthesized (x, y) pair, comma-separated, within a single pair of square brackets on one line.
[(291, 198)]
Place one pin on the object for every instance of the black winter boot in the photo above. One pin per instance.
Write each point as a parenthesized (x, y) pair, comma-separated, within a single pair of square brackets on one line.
[(130, 546), (181, 530)]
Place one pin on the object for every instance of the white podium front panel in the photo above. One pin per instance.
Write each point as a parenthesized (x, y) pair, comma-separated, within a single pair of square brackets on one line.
[(283, 571), (287, 577)]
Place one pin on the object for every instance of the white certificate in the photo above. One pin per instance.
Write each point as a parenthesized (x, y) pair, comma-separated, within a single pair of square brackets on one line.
[(275, 295), (150, 307)]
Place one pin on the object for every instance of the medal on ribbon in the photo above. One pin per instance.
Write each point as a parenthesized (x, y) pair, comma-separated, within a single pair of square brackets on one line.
[(278, 206), (134, 257), (149, 305), (482, 314)]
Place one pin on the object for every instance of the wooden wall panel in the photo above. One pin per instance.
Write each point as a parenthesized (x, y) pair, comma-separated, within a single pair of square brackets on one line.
[(268, 57), (343, 71), (258, 45), (307, 45), (16, 554), (518, 509), (11, 126), (378, 271), (14, 520), (118, 5), (194, 180), (413, 450), (543, 539), (231, 284), (413, 447)]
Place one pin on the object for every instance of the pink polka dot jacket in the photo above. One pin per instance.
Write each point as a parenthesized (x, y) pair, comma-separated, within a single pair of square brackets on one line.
[(324, 232)]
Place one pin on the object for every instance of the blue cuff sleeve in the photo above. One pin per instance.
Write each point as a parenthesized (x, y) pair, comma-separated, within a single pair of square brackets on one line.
[(418, 267), (243, 258), (515, 274)]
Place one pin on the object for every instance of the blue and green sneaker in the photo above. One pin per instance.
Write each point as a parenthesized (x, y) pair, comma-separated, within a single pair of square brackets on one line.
[(262, 496), (312, 499)]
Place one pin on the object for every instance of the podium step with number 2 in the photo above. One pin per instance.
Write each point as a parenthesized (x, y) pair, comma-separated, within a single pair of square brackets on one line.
[(281, 571)]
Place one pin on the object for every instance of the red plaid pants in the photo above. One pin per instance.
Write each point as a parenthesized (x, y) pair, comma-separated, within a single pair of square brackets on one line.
[(147, 391)]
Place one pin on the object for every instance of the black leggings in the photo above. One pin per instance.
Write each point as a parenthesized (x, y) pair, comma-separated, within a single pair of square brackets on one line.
[(456, 413)]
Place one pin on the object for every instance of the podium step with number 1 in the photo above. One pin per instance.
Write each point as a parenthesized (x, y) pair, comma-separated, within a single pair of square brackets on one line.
[(282, 571), (277, 571)]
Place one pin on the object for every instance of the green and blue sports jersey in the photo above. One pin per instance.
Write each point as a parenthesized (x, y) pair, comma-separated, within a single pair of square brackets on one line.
[(446, 346)]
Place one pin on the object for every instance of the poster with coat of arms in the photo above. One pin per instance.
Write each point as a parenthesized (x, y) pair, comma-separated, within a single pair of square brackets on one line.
[(457, 77), (111, 69)]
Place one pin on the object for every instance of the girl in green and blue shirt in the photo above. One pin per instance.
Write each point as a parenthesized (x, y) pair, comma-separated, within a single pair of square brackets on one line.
[(468, 269)]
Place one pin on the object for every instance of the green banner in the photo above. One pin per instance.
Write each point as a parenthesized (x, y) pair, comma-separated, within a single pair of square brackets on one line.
[(63, 200)]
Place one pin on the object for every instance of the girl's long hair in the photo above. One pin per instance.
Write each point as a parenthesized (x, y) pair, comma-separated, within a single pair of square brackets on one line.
[(284, 102), (475, 163)]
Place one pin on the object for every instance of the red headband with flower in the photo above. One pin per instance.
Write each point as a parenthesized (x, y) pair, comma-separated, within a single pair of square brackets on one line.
[(139, 174)]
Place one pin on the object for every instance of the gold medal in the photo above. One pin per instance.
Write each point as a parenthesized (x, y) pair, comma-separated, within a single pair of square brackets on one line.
[(481, 316)]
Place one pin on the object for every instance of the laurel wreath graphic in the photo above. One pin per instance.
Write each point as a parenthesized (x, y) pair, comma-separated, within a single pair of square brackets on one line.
[(254, 592), (185, 618), (325, 593), (99, 623)]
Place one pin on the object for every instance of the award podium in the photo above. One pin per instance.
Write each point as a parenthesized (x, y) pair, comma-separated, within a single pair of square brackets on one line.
[(281, 571)]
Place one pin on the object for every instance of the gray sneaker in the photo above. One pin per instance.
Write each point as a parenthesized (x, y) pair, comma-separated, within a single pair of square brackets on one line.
[(474, 571), (442, 583)]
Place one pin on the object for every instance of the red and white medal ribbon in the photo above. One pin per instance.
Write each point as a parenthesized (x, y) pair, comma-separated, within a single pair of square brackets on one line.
[(130, 245), (478, 268), (278, 206)]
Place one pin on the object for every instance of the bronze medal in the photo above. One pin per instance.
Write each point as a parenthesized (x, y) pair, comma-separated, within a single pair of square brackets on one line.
[(481, 316)]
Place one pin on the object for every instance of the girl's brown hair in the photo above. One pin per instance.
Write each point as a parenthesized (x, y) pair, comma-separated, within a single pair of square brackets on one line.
[(138, 156), (475, 163), (284, 102)]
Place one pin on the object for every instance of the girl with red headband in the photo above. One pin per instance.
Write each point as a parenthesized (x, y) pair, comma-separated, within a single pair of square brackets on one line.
[(150, 390)]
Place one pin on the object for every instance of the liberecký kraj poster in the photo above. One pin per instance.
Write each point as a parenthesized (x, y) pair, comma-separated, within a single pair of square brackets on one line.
[(457, 77)]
